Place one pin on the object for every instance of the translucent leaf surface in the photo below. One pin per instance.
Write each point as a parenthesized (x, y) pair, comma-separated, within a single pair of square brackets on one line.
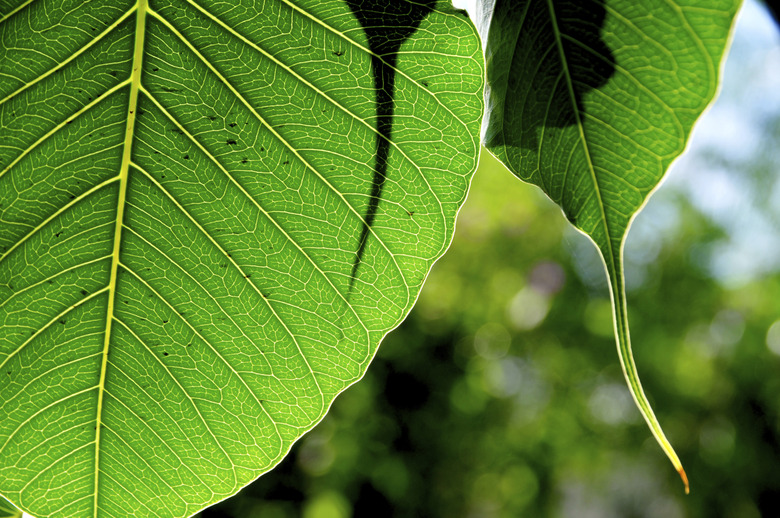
[(209, 218), (592, 101)]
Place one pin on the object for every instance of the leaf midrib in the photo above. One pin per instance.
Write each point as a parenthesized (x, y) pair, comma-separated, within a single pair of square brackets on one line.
[(135, 82)]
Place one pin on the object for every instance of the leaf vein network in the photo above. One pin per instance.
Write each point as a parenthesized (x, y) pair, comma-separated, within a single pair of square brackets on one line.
[(278, 137), (186, 394), (185, 272), (334, 102), (250, 198), (230, 259), (210, 346)]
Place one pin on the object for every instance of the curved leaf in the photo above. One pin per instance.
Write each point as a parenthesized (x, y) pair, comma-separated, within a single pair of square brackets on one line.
[(195, 258), (592, 101)]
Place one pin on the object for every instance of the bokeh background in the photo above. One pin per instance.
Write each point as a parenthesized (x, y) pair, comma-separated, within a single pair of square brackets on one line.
[(502, 396)]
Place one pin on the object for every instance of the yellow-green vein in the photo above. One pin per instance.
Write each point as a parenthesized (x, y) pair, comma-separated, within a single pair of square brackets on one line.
[(135, 82)]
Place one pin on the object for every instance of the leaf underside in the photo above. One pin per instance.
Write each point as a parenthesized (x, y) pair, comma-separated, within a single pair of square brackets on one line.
[(592, 101), (183, 187)]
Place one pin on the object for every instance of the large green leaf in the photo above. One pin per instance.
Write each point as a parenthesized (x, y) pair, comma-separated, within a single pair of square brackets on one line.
[(209, 218), (591, 101)]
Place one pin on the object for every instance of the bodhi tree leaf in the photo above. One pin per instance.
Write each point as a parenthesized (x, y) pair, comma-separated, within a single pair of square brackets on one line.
[(209, 218), (591, 101)]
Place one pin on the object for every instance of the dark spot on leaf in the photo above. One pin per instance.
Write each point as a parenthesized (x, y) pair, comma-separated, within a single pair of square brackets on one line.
[(165, 354), (338, 53), (231, 142), (164, 321), (244, 160), (83, 292), (58, 234), (424, 83), (63, 322), (247, 276), (233, 124), (113, 73), (186, 157), (262, 148), (286, 162), (155, 69)]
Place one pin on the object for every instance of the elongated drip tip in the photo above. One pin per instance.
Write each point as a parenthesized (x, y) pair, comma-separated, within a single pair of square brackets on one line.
[(684, 478)]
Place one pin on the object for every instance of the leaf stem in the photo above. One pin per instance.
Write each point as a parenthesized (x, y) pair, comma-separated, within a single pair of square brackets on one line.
[(623, 339)]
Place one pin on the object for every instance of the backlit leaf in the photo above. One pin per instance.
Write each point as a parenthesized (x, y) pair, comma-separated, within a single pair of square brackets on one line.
[(591, 101), (209, 218)]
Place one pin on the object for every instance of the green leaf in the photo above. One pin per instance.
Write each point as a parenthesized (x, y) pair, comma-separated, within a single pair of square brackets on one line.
[(208, 221), (592, 101), (7, 510)]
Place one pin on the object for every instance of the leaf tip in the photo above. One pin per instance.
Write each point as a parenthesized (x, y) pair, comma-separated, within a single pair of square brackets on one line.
[(684, 478)]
